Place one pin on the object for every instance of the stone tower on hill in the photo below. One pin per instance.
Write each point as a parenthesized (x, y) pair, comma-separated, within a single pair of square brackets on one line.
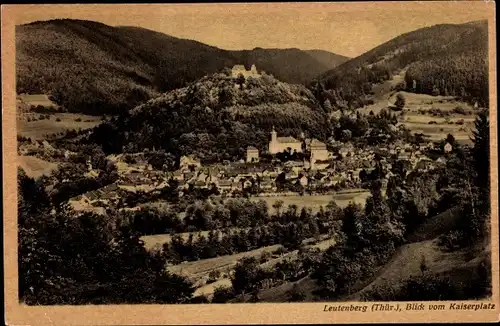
[(240, 69)]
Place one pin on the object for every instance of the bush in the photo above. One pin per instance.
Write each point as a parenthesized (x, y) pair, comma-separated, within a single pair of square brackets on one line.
[(460, 122), (459, 110), (58, 119), (280, 251), (400, 101), (452, 240), (223, 294), (213, 276), (432, 122), (78, 120)]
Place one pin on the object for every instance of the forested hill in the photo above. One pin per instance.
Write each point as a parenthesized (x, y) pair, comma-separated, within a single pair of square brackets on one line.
[(94, 68), (442, 60), (217, 118)]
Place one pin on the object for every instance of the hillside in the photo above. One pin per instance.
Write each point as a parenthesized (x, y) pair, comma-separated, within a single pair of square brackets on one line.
[(466, 268), (216, 118), (328, 59), (439, 60), (94, 68)]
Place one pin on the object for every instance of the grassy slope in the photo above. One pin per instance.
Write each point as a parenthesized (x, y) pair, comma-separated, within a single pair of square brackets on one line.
[(92, 67), (424, 243), (35, 167), (197, 269), (419, 123)]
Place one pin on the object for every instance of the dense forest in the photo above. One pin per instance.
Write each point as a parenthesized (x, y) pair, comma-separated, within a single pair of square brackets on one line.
[(93, 68), (440, 60)]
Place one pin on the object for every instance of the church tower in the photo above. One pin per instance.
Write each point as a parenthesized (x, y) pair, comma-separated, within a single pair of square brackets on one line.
[(273, 135), (272, 143)]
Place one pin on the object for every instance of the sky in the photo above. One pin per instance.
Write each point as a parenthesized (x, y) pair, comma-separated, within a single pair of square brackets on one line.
[(348, 29)]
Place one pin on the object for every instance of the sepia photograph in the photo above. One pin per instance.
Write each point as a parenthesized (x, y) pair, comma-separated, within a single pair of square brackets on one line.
[(339, 159)]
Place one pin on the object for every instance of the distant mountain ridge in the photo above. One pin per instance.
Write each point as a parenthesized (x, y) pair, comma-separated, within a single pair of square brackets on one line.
[(446, 59), (94, 68)]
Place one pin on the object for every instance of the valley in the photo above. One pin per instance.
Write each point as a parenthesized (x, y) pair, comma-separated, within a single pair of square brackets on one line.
[(156, 169)]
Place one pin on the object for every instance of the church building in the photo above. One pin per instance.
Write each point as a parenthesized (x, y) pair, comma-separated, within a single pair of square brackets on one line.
[(281, 144)]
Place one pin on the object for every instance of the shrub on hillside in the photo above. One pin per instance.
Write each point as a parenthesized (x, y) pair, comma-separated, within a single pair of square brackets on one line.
[(452, 240), (223, 294), (459, 110)]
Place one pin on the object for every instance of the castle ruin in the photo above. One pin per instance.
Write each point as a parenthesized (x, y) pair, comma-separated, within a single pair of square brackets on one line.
[(240, 69)]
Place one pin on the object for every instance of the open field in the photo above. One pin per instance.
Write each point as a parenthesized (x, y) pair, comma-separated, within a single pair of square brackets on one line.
[(316, 201), (35, 167), (156, 241), (209, 289), (29, 100), (40, 128), (419, 123), (196, 269)]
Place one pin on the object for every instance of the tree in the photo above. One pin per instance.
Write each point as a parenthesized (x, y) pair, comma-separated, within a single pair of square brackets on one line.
[(65, 258), (246, 276), (400, 101), (481, 162), (423, 265), (240, 80), (328, 106), (450, 139), (278, 205)]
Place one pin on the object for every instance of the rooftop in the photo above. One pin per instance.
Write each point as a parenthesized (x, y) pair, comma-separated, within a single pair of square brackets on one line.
[(287, 140)]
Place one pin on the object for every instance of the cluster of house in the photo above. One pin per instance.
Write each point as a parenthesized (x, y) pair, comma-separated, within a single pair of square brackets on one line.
[(321, 171)]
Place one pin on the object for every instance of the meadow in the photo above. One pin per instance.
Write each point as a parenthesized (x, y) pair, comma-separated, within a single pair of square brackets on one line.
[(39, 129), (35, 167), (418, 118), (316, 201)]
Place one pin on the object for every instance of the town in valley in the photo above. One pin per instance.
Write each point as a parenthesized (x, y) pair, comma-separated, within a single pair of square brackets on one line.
[(165, 170)]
